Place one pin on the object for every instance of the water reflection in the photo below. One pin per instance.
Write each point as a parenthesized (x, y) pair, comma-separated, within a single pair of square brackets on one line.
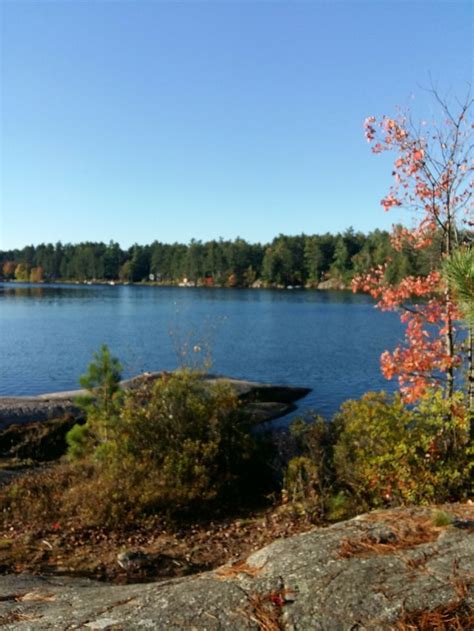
[(81, 291), (328, 341), (18, 291)]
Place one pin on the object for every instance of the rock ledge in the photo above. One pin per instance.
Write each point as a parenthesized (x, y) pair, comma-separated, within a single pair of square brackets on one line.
[(265, 401), (361, 574)]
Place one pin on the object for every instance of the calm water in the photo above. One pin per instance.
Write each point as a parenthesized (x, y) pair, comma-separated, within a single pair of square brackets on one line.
[(328, 341)]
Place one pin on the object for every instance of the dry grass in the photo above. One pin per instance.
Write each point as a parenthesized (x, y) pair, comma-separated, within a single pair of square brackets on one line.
[(16, 616), (266, 609), (408, 531), (352, 547), (28, 596), (35, 597), (419, 562), (456, 616), (240, 567), (461, 582)]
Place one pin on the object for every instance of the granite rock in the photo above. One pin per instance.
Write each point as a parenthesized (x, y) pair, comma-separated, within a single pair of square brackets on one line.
[(305, 582)]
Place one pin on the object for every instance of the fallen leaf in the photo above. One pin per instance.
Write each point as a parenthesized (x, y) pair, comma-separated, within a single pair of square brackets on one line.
[(36, 597)]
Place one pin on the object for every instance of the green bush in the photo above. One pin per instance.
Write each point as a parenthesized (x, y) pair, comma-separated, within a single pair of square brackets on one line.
[(301, 485), (179, 446), (101, 404), (309, 475), (386, 453), (184, 442), (78, 439), (377, 452)]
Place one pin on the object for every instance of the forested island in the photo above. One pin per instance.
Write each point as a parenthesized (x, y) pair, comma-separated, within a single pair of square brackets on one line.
[(325, 260)]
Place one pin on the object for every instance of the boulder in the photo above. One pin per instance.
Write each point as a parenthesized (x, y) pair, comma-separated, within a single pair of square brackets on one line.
[(367, 573), (332, 283)]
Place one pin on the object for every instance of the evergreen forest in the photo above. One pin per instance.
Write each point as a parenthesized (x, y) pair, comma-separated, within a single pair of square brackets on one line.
[(302, 260)]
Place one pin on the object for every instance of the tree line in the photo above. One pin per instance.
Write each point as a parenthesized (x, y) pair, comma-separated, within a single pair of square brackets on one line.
[(302, 260)]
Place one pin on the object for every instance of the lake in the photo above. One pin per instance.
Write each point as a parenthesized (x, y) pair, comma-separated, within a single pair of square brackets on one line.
[(328, 341)]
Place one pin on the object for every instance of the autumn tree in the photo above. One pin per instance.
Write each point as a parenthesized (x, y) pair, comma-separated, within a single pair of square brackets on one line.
[(433, 179), (22, 272), (36, 274), (8, 269)]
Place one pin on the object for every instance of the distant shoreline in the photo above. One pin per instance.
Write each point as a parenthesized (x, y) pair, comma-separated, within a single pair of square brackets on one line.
[(327, 285)]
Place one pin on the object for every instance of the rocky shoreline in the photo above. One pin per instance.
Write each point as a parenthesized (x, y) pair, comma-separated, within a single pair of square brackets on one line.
[(33, 429), (331, 284), (264, 402)]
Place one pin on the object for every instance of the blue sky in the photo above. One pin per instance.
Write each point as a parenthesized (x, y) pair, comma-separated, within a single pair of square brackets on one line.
[(138, 120)]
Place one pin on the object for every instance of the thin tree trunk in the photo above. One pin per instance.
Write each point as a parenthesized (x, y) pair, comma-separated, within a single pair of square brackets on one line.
[(449, 338), (449, 344), (470, 376)]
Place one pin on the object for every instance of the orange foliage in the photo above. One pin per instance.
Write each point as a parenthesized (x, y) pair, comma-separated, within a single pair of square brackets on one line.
[(432, 176), (8, 268), (36, 274)]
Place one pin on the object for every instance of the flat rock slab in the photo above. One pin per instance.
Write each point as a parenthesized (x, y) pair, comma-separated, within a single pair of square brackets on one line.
[(32, 409), (267, 401), (306, 582)]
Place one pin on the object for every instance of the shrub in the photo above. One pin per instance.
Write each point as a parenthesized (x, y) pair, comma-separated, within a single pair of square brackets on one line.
[(378, 452), (40, 498), (301, 485), (178, 446), (309, 476), (440, 519), (183, 442), (386, 453)]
